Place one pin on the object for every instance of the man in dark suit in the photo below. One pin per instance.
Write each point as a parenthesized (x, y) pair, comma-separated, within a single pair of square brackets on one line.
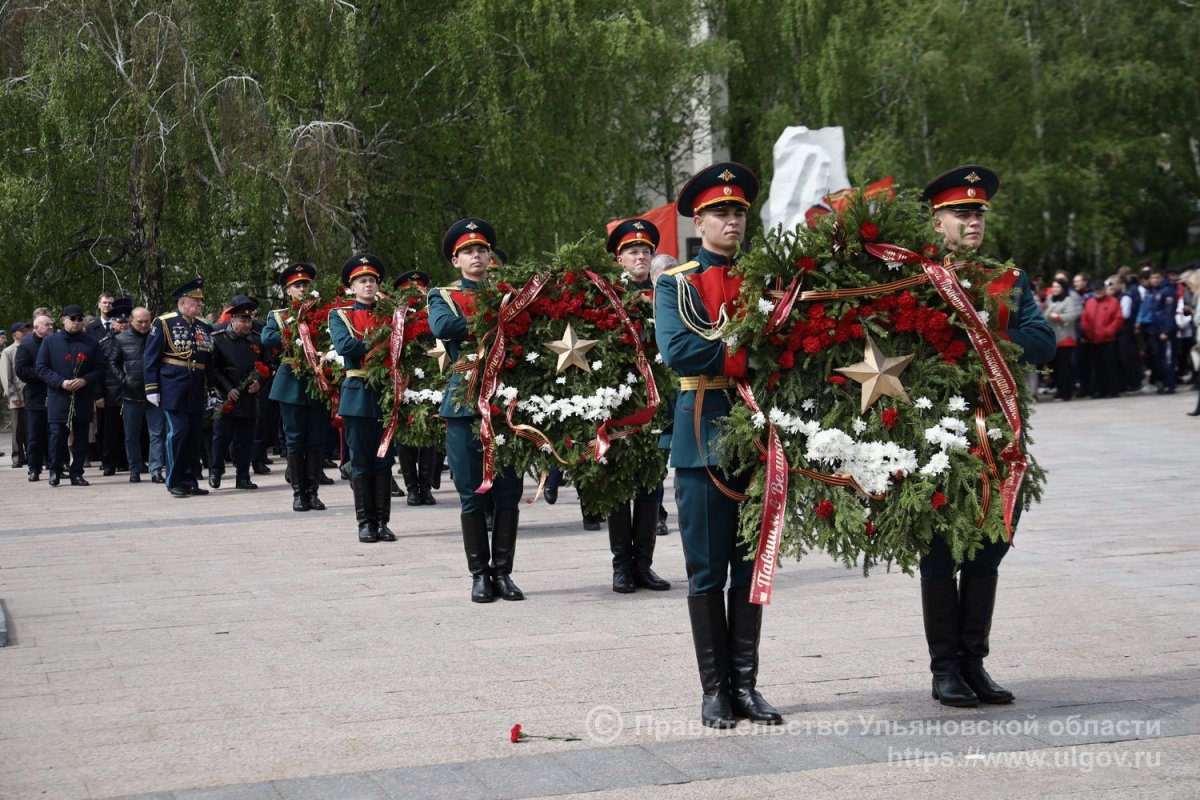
[(25, 364), (70, 364)]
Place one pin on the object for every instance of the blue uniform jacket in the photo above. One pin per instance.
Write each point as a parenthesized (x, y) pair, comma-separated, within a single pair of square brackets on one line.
[(448, 322), (349, 327), (287, 387), (691, 355), (57, 361), (175, 364)]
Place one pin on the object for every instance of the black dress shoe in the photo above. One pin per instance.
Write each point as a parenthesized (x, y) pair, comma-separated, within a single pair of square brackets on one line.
[(33, 477), (53, 479), (661, 528), (551, 494), (179, 491), (214, 480), (79, 482), (328, 463), (197, 491), (135, 477), (244, 484), (323, 479), (1195, 413), (647, 578), (260, 468), (156, 477), (110, 471)]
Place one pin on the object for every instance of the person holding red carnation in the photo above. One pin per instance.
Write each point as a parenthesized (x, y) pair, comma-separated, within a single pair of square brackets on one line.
[(234, 371), (692, 303), (467, 244), (957, 611)]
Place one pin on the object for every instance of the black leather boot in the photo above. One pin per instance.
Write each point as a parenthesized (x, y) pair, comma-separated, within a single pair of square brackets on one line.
[(383, 507), (298, 476), (408, 470), (504, 547), (620, 542), (427, 469), (475, 542), (645, 534), (435, 472), (312, 479), (976, 601), (362, 488), (711, 639), (939, 608), (745, 627)]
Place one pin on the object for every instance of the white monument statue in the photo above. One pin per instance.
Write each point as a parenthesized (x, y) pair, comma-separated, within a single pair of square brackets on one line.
[(809, 164)]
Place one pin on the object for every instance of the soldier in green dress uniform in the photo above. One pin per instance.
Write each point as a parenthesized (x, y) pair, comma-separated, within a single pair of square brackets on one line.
[(691, 303), (467, 245)]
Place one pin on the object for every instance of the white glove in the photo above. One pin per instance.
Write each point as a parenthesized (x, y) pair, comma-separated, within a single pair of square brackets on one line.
[(152, 398)]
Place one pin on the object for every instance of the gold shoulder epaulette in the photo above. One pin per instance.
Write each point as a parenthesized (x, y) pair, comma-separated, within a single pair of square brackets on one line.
[(682, 268), (445, 292), (169, 315)]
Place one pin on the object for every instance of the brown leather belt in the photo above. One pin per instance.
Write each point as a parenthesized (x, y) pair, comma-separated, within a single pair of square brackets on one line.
[(179, 362), (692, 383)]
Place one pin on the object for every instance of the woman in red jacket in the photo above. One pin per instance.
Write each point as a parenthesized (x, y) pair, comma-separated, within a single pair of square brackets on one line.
[(1101, 323)]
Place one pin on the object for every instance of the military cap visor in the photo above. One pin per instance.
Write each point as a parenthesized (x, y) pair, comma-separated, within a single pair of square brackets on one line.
[(72, 311), (970, 187), (724, 183), (361, 264), (466, 232), (413, 276), (193, 289), (632, 231), (241, 304), (121, 310)]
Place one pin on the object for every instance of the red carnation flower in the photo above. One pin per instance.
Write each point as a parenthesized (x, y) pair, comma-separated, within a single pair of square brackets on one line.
[(262, 368), (812, 344), (515, 734), (494, 409), (889, 416), (506, 288), (805, 264), (824, 509), (773, 381), (568, 278), (787, 360), (938, 500), (227, 407), (837, 380), (569, 442), (929, 251), (510, 364), (869, 231), (870, 528)]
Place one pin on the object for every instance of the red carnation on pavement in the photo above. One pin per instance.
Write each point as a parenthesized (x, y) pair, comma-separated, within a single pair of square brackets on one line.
[(515, 734), (938, 500), (869, 231), (824, 509), (889, 416)]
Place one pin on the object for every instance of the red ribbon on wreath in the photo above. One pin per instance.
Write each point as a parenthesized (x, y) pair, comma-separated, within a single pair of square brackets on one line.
[(314, 359), (399, 382), (999, 376)]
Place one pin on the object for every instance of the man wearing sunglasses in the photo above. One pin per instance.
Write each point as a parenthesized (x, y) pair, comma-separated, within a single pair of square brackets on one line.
[(70, 364)]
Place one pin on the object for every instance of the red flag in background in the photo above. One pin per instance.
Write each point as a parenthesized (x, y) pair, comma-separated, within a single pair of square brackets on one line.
[(667, 222)]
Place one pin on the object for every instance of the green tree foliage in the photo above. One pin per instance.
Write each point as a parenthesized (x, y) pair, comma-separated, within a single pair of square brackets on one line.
[(1087, 109)]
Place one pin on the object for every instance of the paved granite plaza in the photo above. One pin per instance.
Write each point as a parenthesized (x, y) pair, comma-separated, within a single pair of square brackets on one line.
[(226, 647)]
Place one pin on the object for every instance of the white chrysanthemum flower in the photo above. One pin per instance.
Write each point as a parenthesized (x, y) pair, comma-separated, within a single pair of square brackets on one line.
[(765, 305), (759, 420), (984, 315), (532, 356), (499, 439), (418, 372), (604, 459), (953, 424), (894, 266), (957, 403), (995, 433), (966, 284), (561, 381), (923, 403), (597, 364), (658, 359), (472, 357), (809, 404), (859, 426), (630, 377), (546, 448), (938, 463), (315, 293)]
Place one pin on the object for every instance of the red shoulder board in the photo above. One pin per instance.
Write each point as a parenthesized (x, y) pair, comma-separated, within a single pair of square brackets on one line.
[(1003, 285), (465, 300), (717, 288)]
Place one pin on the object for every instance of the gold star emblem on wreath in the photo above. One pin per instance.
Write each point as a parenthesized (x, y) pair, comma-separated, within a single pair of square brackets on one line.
[(972, 178), (440, 355), (878, 374), (726, 176), (571, 350)]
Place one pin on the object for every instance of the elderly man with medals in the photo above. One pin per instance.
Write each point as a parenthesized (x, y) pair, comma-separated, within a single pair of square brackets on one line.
[(350, 327), (468, 245), (692, 302)]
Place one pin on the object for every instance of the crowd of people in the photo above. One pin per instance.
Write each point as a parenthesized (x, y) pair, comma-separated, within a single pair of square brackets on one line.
[(1130, 332)]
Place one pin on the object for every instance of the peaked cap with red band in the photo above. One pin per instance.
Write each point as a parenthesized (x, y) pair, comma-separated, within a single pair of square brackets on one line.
[(300, 271), (632, 231), (726, 183), (465, 233), (970, 186), (361, 264)]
